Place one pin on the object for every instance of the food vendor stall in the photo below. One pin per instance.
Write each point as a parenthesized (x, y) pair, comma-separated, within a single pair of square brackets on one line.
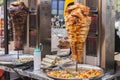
[(90, 32)]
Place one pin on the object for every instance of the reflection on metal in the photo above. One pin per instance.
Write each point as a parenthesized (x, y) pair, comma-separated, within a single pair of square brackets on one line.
[(32, 25), (93, 4), (45, 26), (92, 43)]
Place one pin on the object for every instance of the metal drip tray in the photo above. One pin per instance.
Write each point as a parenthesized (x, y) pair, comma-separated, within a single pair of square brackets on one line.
[(13, 61), (71, 68)]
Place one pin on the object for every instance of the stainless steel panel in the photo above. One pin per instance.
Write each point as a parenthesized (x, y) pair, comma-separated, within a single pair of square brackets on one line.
[(93, 4), (93, 41), (32, 25), (105, 48), (45, 26), (81, 68), (107, 34)]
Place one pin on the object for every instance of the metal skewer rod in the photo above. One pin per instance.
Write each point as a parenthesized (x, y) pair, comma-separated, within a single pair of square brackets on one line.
[(76, 66), (18, 55)]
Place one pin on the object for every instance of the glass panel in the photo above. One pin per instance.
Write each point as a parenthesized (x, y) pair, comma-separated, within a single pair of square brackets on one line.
[(54, 5), (91, 46), (61, 5), (92, 4), (54, 12), (33, 31), (61, 12), (91, 43), (33, 27)]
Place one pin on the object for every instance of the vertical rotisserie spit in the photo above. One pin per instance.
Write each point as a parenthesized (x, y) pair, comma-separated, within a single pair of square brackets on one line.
[(18, 13), (78, 22)]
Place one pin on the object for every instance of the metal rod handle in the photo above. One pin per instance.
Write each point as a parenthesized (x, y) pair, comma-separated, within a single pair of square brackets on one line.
[(76, 65)]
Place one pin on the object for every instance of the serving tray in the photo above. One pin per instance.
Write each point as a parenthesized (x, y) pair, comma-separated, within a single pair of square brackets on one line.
[(67, 66), (11, 60)]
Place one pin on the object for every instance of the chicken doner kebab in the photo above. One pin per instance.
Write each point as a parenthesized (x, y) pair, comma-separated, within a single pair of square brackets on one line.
[(77, 20), (18, 13)]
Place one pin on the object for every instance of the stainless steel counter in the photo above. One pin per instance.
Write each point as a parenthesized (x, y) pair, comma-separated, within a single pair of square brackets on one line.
[(40, 75), (7, 63)]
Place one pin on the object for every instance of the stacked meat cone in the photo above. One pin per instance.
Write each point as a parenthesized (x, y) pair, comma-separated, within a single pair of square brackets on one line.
[(18, 13), (78, 22)]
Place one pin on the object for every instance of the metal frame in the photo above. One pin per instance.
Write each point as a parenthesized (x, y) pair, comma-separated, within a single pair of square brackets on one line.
[(45, 26), (107, 34), (99, 31), (5, 28)]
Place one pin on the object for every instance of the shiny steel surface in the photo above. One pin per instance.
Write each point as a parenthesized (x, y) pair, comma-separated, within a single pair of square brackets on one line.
[(11, 59), (107, 34), (45, 26), (70, 66)]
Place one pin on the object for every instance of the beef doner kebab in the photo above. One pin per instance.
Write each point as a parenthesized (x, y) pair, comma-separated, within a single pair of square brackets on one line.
[(78, 22), (18, 13)]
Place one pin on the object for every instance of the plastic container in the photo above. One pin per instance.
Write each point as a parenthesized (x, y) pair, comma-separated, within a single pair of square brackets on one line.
[(37, 59)]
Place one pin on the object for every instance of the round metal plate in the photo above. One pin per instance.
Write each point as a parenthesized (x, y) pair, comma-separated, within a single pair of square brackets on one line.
[(86, 66)]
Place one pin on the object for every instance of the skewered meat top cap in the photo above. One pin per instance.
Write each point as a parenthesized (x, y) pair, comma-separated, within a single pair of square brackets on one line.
[(76, 13), (17, 3), (18, 9)]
